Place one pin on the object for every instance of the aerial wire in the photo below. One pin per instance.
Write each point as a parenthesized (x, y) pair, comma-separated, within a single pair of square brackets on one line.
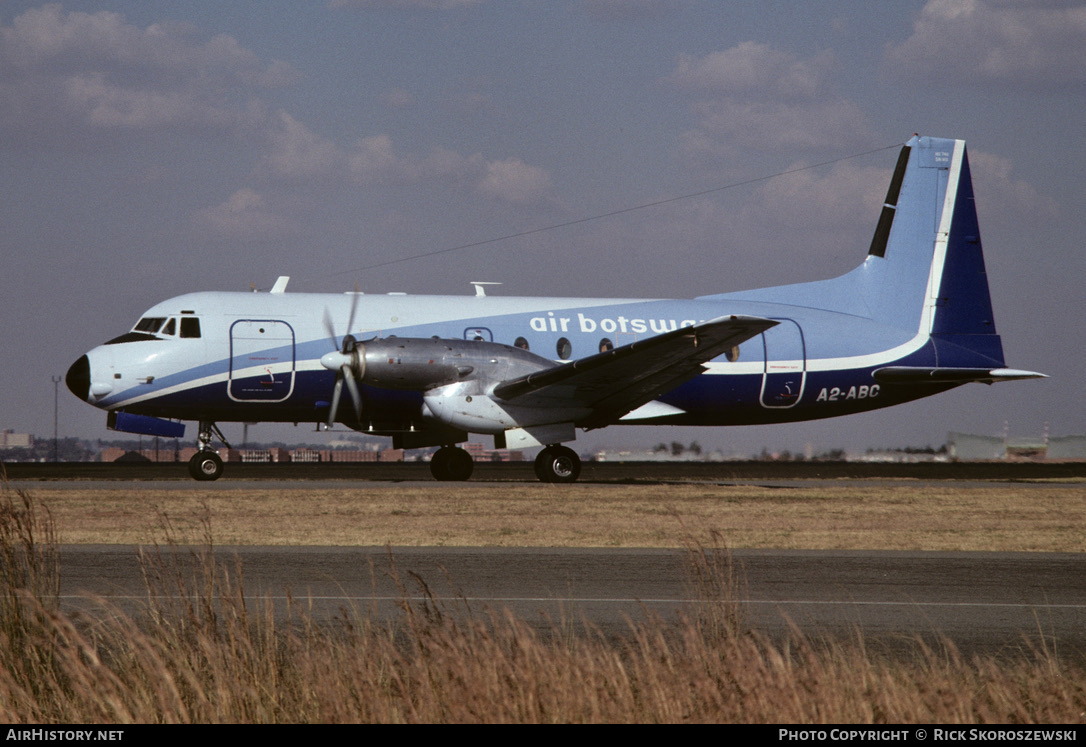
[(600, 216)]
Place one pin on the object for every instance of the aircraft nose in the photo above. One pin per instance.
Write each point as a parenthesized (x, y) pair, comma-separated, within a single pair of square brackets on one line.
[(78, 378)]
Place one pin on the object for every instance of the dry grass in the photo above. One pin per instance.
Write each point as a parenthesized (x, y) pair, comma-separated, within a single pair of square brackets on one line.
[(837, 515), (206, 655)]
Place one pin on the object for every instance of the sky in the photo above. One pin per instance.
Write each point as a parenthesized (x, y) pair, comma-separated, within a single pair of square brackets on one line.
[(153, 148)]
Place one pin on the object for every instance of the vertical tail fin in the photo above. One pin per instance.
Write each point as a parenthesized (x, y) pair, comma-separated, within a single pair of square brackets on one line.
[(925, 268), (924, 271)]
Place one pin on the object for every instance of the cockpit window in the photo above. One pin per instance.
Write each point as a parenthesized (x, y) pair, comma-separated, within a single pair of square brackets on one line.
[(170, 328), (149, 324), (190, 326)]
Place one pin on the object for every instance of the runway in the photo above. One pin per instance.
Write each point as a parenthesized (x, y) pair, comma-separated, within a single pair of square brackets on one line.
[(985, 602), (998, 603), (603, 472)]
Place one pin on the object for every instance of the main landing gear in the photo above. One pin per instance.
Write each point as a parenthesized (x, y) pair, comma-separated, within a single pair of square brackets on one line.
[(556, 463), (451, 463), (205, 463)]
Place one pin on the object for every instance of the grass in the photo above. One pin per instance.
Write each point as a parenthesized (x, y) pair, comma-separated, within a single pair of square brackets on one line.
[(201, 653), (844, 515)]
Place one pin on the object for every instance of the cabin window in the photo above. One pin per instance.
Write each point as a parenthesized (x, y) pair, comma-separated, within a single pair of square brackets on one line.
[(564, 348), (521, 343), (732, 354), (190, 326), (606, 345)]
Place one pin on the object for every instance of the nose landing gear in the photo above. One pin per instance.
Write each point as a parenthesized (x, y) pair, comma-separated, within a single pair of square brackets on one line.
[(205, 463)]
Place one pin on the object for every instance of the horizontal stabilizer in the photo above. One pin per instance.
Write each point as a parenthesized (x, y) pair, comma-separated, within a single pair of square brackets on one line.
[(617, 381), (924, 375)]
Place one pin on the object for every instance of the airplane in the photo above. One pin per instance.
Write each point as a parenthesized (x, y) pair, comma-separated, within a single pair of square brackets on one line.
[(912, 320)]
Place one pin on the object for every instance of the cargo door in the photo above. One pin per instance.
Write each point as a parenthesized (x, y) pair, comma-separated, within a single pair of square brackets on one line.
[(785, 365), (261, 360)]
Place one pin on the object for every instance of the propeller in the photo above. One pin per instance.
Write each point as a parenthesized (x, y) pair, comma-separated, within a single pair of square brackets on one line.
[(346, 360)]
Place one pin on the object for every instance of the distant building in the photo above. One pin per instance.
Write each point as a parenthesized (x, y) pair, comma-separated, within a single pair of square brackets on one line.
[(11, 440), (1067, 447), (657, 455), (479, 453), (164, 453), (971, 447), (353, 455), (898, 457), (257, 456)]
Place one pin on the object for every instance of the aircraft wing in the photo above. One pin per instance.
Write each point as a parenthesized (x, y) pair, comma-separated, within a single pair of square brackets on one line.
[(617, 381)]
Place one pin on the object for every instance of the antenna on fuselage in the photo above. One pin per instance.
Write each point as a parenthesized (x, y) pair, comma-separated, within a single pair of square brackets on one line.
[(480, 287)]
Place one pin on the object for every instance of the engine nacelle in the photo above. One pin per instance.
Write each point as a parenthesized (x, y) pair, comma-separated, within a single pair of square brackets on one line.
[(465, 407), (422, 364), (456, 377)]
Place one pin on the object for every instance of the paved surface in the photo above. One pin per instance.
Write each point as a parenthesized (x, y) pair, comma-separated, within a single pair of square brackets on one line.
[(592, 471), (984, 602)]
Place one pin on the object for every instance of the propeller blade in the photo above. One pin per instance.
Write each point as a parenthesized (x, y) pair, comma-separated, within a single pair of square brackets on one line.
[(350, 317), (330, 329), (352, 387), (345, 373), (335, 402)]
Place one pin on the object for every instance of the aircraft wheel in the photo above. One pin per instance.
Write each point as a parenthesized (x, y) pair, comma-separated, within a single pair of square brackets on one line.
[(558, 464), (451, 463), (205, 465)]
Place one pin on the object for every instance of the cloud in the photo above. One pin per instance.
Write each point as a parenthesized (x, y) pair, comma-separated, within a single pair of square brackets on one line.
[(1001, 194), (757, 97), (105, 106), (298, 152), (774, 125), (753, 69), (374, 160), (515, 181), (65, 73), (823, 201), (1038, 44), (243, 217), (399, 98)]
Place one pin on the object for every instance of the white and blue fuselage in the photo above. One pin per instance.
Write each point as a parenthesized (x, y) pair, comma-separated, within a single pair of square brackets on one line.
[(914, 319)]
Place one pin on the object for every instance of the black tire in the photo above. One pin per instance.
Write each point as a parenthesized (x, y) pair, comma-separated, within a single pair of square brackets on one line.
[(451, 464), (439, 464), (205, 465), (558, 464)]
